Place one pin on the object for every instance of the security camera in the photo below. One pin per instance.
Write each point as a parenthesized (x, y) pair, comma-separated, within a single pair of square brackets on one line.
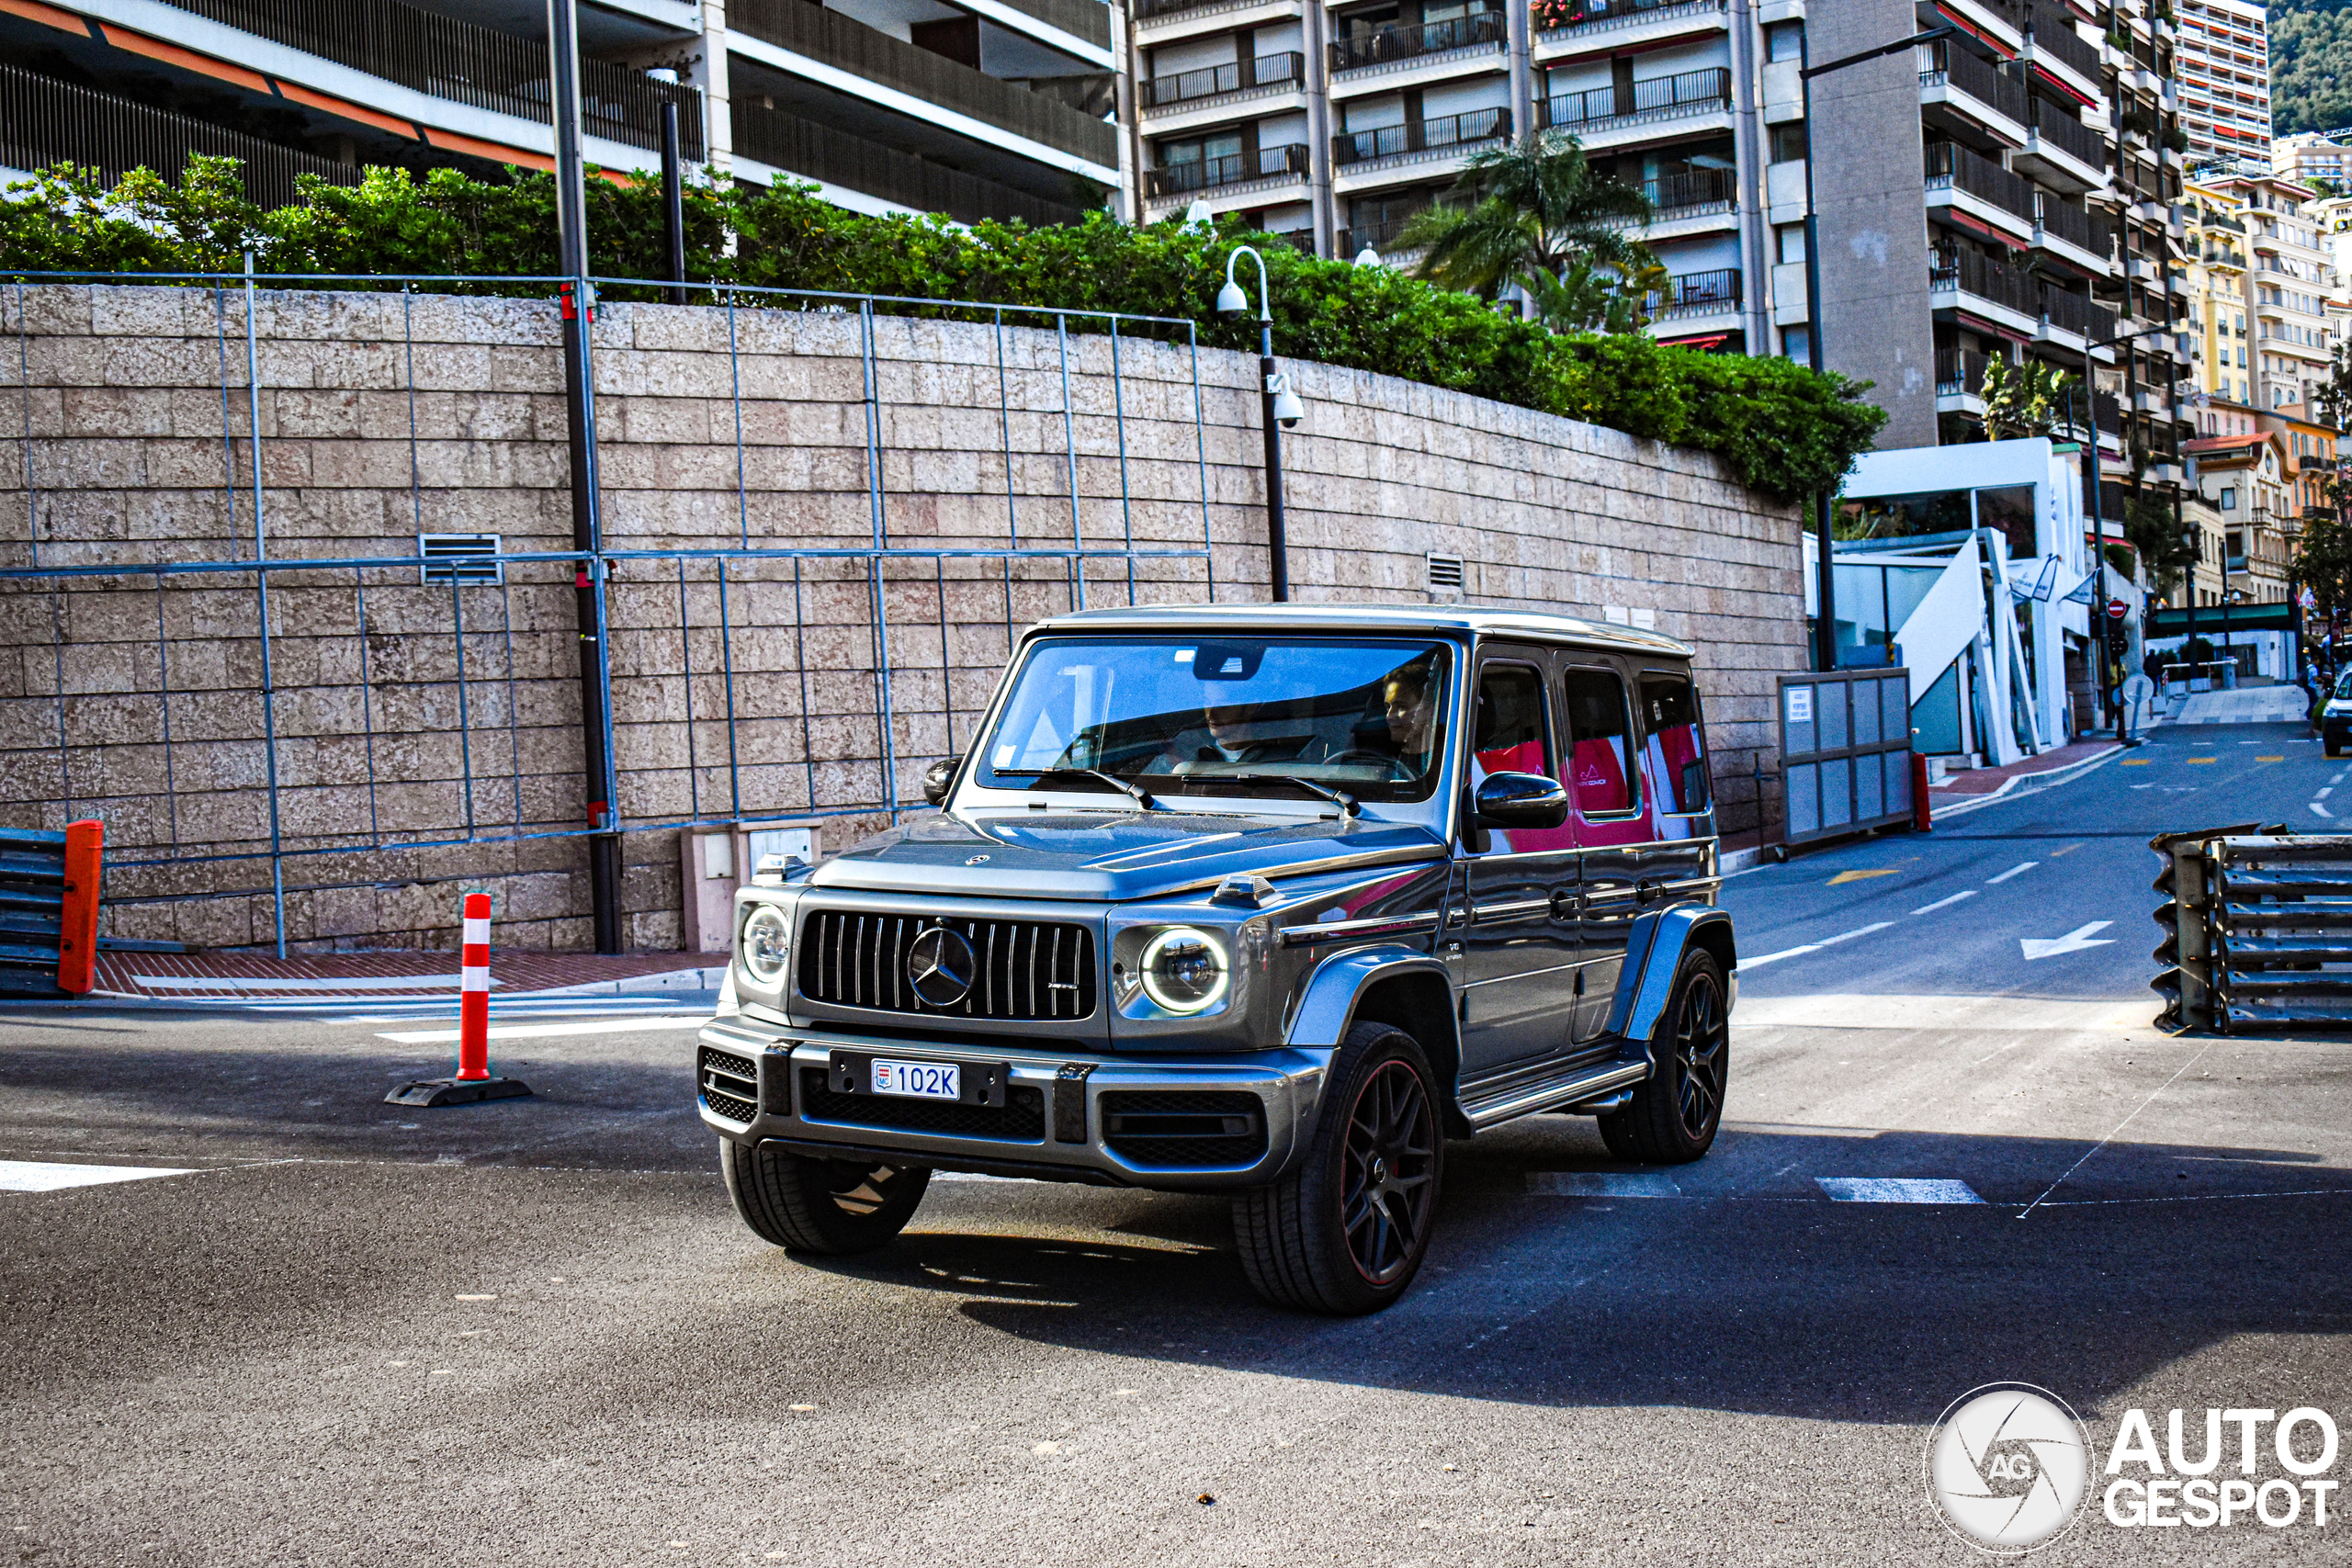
[(1288, 410)]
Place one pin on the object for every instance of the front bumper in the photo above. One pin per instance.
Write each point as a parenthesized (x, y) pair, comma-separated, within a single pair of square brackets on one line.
[(1068, 1116)]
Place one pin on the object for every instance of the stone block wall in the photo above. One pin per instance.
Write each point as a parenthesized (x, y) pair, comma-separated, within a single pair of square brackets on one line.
[(443, 723)]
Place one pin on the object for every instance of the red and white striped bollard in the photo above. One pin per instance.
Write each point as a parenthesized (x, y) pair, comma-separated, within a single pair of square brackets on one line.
[(473, 1082)]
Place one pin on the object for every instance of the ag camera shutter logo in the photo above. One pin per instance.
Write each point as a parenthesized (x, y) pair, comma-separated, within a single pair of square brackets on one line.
[(2007, 1464)]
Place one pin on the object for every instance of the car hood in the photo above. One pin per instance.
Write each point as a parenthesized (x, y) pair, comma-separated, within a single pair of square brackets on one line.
[(1110, 858)]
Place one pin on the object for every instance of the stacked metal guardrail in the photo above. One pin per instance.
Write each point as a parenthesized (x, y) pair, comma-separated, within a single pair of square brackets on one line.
[(2257, 928)]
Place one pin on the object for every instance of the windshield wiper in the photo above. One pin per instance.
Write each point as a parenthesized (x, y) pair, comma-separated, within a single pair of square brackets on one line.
[(1338, 798), (1142, 797)]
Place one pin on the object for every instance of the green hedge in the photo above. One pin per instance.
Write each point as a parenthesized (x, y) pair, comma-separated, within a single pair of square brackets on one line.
[(1783, 429)]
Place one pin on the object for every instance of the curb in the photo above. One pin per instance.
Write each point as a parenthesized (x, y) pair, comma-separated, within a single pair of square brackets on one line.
[(2028, 784)]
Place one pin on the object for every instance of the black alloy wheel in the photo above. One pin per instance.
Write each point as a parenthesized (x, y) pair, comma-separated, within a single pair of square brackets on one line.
[(1676, 1111), (1391, 1171)]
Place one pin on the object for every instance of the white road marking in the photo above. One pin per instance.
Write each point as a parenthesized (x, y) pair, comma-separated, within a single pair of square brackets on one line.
[(940, 1176), (288, 982), (539, 1031), (1602, 1184), (38, 1176), (2095, 1148), (2073, 941), (2013, 870), (2322, 811), (2337, 779), (1896, 1190), (1857, 930), (1776, 958), (2323, 791), (1944, 903)]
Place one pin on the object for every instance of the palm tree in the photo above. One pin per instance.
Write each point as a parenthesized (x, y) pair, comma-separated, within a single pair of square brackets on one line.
[(1537, 215)]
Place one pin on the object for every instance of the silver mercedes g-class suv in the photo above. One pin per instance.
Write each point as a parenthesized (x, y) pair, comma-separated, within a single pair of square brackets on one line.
[(1270, 900)]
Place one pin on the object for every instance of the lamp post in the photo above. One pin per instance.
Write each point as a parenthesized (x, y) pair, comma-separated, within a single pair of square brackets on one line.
[(2098, 515), (1278, 409), (1825, 627)]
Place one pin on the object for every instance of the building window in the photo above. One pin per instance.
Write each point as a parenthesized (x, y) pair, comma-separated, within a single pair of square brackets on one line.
[(2229, 501), (1785, 41), (1796, 342), (1791, 241), (1788, 142)]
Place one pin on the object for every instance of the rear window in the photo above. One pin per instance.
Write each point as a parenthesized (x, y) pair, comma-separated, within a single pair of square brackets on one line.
[(1673, 746)]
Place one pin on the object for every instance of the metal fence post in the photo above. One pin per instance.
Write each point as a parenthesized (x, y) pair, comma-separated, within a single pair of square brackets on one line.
[(261, 589)]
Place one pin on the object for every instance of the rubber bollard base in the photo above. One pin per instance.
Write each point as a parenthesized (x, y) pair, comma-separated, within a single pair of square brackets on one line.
[(434, 1093)]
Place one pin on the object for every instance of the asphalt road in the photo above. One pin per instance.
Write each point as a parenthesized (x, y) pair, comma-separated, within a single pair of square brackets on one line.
[(533, 1332)]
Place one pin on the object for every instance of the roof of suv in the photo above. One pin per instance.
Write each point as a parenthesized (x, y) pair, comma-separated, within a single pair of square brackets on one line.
[(1424, 618)]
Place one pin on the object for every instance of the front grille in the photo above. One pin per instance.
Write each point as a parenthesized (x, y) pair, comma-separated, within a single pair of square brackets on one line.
[(1024, 970), (1021, 1120), (729, 1084), (1184, 1127)]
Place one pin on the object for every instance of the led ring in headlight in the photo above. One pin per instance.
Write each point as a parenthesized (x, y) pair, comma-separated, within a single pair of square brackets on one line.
[(766, 945), (1183, 970)]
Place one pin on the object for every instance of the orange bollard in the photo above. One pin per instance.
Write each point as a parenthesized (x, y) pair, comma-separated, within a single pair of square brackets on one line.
[(473, 1083), (77, 927), (1921, 816)]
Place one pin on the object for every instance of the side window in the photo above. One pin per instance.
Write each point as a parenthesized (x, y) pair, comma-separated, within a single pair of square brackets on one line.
[(1600, 757), (1510, 735), (1672, 745)]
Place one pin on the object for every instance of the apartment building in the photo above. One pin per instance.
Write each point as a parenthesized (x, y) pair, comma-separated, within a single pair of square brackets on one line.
[(2247, 481), (2290, 271), (2310, 155), (2221, 325), (2224, 51), (988, 108)]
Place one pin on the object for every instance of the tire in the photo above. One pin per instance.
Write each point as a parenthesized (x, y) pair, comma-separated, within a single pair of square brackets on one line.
[(823, 1206), (1377, 1156), (2334, 749), (1677, 1110)]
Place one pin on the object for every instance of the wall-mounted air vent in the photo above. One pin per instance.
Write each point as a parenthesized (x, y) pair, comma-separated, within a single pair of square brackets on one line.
[(1446, 576), (465, 559)]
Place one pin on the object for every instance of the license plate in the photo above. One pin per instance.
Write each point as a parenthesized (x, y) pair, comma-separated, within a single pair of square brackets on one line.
[(917, 1080)]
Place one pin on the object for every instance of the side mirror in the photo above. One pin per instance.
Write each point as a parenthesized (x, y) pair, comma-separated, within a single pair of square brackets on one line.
[(939, 778), (1522, 800)]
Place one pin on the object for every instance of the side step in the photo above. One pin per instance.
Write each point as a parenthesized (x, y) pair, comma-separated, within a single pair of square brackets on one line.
[(1589, 1080)]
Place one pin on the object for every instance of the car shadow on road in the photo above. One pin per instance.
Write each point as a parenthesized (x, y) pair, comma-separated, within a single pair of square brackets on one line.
[(1768, 1298)]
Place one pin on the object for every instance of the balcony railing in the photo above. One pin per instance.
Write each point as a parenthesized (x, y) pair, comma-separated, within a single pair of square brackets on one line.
[(1950, 166), (465, 62), (1564, 15), (1959, 372), (1377, 234), (44, 121), (2069, 135), (2071, 312), (1940, 65), (1386, 44), (1697, 294), (1660, 97), (1694, 191), (820, 151), (2075, 226), (1208, 174), (1416, 136), (848, 44), (1266, 70), (2054, 35), (1971, 272), (2107, 412)]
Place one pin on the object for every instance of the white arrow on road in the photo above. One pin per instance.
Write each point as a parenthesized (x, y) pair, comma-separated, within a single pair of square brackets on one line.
[(2073, 941)]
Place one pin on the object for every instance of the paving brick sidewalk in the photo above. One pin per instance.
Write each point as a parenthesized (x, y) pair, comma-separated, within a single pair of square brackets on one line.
[(223, 975), (1978, 782)]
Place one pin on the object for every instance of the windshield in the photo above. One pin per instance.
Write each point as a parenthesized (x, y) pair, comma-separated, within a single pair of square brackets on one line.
[(2344, 684), (1187, 716)]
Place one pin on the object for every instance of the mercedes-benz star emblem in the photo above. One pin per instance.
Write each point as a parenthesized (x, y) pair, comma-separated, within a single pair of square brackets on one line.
[(940, 966)]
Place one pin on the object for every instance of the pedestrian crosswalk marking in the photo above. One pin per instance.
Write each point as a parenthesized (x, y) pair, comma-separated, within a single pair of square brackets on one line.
[(42, 1176), (1896, 1190)]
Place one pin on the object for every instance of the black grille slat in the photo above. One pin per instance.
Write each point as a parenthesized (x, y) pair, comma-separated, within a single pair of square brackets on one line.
[(1184, 1127), (727, 1105), (1026, 970), (1021, 1118), (729, 1084)]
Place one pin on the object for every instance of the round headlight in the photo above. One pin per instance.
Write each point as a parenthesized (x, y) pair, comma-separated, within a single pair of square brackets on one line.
[(1183, 970), (767, 942)]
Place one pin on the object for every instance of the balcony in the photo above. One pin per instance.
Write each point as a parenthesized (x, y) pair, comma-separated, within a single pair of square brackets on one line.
[(1697, 294), (829, 38), (44, 121), (1960, 376), (1957, 84), (1568, 24), (2052, 42), (2072, 234), (1444, 135), (2062, 151), (466, 64), (815, 150), (1696, 193), (1659, 99), (1953, 169), (1972, 274), (1390, 45), (1269, 164), (1219, 80), (1378, 234)]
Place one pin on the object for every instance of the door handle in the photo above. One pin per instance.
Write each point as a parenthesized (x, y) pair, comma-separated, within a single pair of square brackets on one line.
[(1646, 889), (1564, 906)]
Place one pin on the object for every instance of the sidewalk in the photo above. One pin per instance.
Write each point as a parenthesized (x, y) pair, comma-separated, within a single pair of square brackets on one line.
[(2245, 705), (1979, 784), (329, 978)]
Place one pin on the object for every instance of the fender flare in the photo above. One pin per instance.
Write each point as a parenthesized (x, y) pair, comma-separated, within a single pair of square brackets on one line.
[(1654, 950), (1327, 1004)]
